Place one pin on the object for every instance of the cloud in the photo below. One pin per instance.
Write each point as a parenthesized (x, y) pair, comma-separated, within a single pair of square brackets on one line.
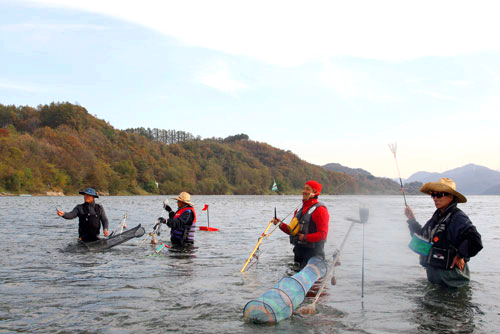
[(21, 87), (434, 94), (352, 83), (52, 27), (461, 83), (291, 33), (218, 77)]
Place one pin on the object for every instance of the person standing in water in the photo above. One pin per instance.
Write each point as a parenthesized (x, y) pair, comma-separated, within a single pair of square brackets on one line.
[(453, 237), (90, 214), (182, 222), (308, 229)]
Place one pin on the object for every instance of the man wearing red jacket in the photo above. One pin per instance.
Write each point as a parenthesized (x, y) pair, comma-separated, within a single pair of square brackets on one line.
[(308, 230)]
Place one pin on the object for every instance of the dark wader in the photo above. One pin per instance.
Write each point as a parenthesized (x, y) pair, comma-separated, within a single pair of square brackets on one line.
[(304, 250)]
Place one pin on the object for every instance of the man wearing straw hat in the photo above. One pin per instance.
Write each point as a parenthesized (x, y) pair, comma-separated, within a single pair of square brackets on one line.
[(451, 237), (90, 214), (182, 223)]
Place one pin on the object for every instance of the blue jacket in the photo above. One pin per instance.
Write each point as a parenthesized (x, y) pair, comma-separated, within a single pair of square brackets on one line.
[(459, 232)]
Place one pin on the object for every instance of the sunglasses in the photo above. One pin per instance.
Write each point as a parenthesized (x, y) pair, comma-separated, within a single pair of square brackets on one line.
[(438, 195)]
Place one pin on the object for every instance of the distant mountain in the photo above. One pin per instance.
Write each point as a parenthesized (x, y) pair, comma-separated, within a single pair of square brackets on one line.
[(471, 179), (343, 169), (495, 190), (369, 184)]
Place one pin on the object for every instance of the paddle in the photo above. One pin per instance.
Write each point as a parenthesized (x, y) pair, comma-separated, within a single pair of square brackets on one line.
[(311, 308)]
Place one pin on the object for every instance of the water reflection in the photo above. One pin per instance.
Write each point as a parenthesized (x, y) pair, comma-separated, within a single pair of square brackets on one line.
[(444, 310)]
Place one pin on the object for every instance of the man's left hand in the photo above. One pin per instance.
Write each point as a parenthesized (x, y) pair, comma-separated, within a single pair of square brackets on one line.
[(106, 233), (460, 263), (302, 237)]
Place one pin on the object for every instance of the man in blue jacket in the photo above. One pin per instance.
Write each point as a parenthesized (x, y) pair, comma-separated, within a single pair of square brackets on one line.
[(452, 238)]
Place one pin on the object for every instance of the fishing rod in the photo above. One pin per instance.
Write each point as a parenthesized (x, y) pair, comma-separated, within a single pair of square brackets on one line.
[(393, 148), (262, 236), (156, 227), (281, 220), (122, 225)]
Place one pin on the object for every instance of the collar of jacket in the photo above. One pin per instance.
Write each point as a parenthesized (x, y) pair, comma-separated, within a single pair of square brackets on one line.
[(308, 203), (450, 207)]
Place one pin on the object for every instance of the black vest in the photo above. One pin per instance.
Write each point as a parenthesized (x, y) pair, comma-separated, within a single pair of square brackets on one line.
[(442, 251), (307, 226), (89, 224)]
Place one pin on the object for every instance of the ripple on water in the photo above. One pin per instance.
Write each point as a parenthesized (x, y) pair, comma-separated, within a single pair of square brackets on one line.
[(48, 285)]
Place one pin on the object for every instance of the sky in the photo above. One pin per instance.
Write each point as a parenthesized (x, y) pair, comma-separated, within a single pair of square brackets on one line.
[(331, 81)]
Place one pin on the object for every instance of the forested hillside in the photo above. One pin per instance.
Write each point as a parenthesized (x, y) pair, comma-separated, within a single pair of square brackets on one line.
[(61, 147)]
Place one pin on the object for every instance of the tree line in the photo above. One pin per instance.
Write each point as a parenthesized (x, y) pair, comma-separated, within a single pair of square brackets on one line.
[(61, 147)]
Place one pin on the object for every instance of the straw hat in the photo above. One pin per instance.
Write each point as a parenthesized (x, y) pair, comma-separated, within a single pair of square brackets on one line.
[(444, 185), (184, 197)]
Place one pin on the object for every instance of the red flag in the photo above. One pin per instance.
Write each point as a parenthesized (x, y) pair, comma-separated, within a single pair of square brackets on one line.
[(205, 208)]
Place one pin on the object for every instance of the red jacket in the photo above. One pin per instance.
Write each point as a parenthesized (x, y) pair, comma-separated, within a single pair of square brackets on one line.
[(320, 217)]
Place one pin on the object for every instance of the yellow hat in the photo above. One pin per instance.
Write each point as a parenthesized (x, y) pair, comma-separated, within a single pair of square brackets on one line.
[(444, 185), (184, 197)]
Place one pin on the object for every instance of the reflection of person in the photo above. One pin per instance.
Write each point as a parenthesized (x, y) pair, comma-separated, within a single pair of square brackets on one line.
[(308, 230), (182, 222), (90, 214), (454, 239)]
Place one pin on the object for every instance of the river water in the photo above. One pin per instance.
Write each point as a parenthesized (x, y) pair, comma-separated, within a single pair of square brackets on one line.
[(46, 286)]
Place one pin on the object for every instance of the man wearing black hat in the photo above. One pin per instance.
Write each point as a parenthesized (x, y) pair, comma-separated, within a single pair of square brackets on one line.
[(90, 214)]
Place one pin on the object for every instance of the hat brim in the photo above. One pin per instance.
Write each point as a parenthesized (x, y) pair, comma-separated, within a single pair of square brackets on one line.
[(180, 200), (84, 193), (429, 187)]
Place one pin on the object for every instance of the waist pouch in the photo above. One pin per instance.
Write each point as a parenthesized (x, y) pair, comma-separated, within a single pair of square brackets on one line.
[(419, 245), (441, 257)]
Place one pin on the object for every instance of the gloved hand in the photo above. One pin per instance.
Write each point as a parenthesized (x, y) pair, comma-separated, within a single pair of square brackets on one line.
[(161, 220), (167, 207), (171, 214)]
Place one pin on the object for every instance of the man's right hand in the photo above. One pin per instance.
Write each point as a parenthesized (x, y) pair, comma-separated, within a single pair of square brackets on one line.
[(409, 212), (276, 221), (60, 213)]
